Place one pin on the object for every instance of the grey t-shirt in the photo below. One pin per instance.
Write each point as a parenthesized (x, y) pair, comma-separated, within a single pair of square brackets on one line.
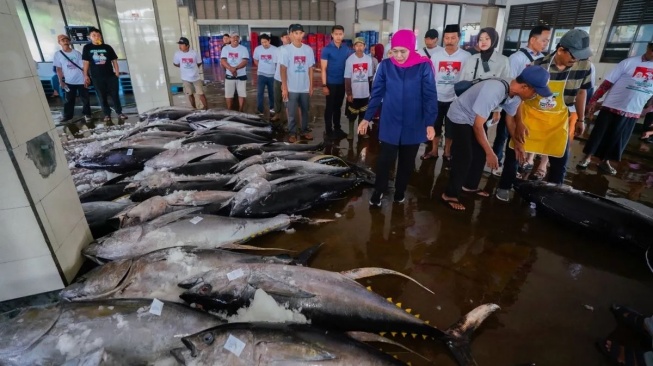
[(481, 99)]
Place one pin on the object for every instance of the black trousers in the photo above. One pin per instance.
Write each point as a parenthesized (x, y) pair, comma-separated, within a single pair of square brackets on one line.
[(333, 105), (468, 160), (387, 155), (71, 96), (610, 136), (108, 87), (439, 125)]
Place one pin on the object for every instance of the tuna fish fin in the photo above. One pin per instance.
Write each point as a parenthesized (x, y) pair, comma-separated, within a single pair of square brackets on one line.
[(120, 177), (248, 247), (358, 273), (171, 217), (306, 220), (462, 331), (370, 337), (305, 256), (199, 158), (275, 287)]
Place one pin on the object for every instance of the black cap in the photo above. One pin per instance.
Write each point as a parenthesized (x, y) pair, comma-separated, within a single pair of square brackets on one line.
[(284, 33), (452, 28), (295, 27), (432, 34), (183, 40)]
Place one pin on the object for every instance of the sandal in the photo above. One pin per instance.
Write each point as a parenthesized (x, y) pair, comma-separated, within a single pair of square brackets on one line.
[(479, 192), (307, 136), (630, 318), (107, 119), (538, 175), (453, 203), (631, 356), (429, 155), (292, 139), (525, 168), (606, 168), (583, 164)]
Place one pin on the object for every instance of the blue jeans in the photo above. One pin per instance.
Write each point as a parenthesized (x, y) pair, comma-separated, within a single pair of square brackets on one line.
[(556, 172), (264, 81), (295, 100)]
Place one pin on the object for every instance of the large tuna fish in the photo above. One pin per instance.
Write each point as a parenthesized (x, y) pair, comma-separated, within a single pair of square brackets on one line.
[(261, 198), (223, 114), (99, 216), (280, 169), (126, 329), (107, 192), (121, 160), (170, 126), (607, 219), (268, 344), (207, 126), (202, 167), (164, 183), (272, 156), (227, 138), (326, 299), (178, 228), (173, 113), (246, 150), (188, 153), (156, 274)]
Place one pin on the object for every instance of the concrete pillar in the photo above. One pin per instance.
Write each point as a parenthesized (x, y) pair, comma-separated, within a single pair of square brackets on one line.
[(396, 5), (489, 17), (184, 21), (385, 28), (145, 53), (167, 14), (42, 223)]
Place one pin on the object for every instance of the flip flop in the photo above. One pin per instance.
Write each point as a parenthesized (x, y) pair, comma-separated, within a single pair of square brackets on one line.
[(632, 357), (629, 317), (583, 164), (607, 169), (429, 155), (478, 192), (450, 203)]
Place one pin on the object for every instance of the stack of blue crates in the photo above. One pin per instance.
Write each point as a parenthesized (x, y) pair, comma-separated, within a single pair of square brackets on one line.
[(371, 38)]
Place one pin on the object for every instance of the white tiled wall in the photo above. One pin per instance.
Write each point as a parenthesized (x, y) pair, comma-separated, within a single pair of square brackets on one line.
[(168, 14), (27, 265), (143, 49)]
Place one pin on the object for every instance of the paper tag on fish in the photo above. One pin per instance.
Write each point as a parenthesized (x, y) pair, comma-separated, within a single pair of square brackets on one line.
[(250, 190), (195, 220), (156, 307), (235, 274), (234, 345), (130, 152)]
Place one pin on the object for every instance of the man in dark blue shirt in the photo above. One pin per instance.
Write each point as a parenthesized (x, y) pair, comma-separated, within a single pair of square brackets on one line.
[(334, 57)]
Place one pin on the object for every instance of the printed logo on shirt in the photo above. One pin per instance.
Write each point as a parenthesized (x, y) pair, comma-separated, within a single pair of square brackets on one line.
[(99, 57), (359, 72), (232, 58), (643, 78), (187, 62), (267, 59), (300, 63), (448, 71), (548, 103)]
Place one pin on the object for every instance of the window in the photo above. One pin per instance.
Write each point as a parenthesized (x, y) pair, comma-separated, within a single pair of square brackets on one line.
[(27, 29), (422, 15), (109, 25), (631, 31), (437, 19), (560, 15), (79, 12), (406, 15), (48, 23)]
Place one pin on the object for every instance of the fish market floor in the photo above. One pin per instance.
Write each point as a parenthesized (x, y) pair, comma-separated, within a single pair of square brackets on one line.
[(554, 285)]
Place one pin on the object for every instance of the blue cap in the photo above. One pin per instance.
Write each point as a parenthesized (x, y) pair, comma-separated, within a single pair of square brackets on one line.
[(538, 78)]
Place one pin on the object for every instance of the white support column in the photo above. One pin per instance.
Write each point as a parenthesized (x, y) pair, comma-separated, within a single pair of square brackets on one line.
[(396, 5), (144, 50), (489, 17), (42, 224), (170, 30)]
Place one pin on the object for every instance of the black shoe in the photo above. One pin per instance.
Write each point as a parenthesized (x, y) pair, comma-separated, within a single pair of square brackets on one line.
[(340, 134), (400, 197), (375, 200)]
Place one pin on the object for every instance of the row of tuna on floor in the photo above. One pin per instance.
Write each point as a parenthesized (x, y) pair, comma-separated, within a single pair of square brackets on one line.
[(190, 186)]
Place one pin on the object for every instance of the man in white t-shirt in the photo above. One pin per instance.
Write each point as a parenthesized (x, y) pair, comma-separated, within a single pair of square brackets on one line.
[(628, 86), (279, 106), (69, 65), (234, 58), (358, 76), (448, 62), (297, 81), (265, 59), (189, 61)]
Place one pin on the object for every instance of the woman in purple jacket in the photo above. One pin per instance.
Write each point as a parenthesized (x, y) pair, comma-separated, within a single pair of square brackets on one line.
[(405, 83)]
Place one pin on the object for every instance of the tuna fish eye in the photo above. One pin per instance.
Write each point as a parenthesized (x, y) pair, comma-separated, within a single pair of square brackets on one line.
[(205, 289), (207, 338)]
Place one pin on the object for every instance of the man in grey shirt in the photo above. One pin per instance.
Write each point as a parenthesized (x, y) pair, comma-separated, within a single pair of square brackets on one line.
[(467, 115)]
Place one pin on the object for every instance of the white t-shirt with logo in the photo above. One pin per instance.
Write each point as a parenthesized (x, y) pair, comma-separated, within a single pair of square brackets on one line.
[(447, 71), (267, 60), (633, 85), (234, 56), (298, 60), (187, 62), (359, 70), (73, 75)]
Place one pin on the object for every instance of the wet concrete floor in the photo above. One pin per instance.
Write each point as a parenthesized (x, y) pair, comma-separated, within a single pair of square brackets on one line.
[(553, 283)]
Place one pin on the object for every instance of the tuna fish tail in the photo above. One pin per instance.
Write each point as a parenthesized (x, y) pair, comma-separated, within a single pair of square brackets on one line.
[(363, 173), (461, 332), (305, 256)]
